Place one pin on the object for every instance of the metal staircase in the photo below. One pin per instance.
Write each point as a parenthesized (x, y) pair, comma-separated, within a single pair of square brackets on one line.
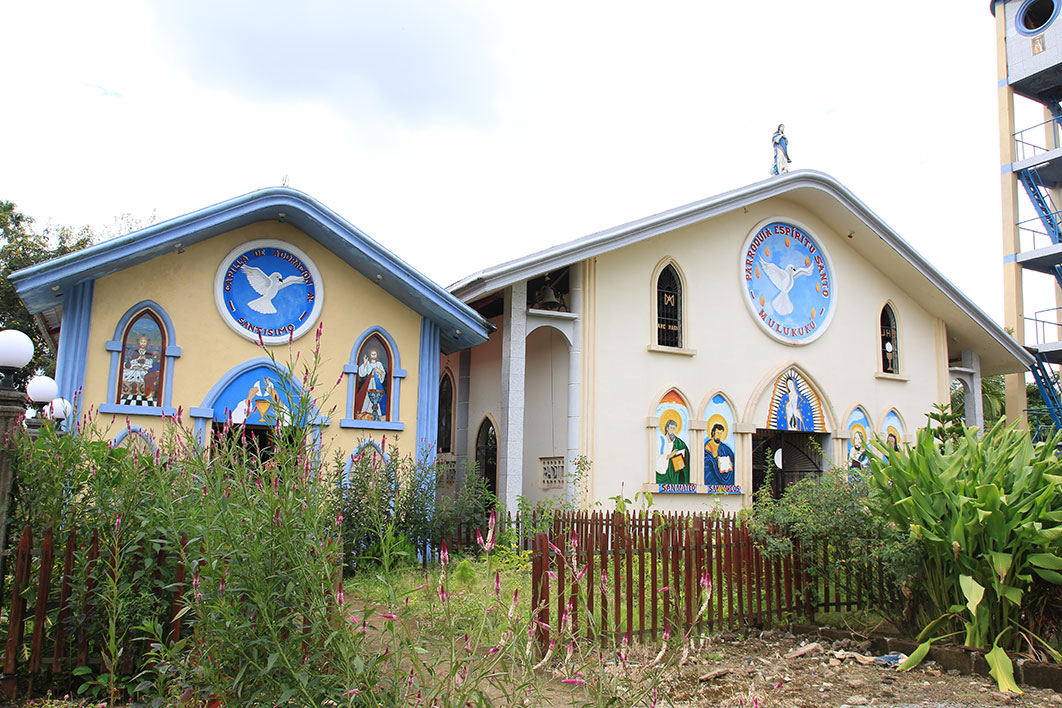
[(1050, 261), (1048, 383)]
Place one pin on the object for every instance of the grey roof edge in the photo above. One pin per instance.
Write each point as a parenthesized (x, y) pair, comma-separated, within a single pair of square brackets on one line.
[(411, 286), (501, 276)]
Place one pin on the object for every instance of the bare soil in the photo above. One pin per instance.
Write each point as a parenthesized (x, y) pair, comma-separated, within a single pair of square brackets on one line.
[(757, 668)]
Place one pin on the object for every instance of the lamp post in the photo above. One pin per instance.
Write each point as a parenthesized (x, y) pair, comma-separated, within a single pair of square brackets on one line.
[(16, 350)]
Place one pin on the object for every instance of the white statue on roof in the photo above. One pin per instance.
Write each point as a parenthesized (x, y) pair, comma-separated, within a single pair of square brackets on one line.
[(781, 152)]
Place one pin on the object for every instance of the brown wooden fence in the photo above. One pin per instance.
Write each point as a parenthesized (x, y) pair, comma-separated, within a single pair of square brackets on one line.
[(636, 576), (48, 614)]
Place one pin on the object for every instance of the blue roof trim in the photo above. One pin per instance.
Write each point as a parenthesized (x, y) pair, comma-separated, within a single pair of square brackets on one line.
[(460, 326)]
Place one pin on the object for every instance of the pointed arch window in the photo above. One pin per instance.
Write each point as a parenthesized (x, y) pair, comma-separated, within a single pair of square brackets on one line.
[(446, 414), (669, 308), (143, 353), (487, 454), (143, 364), (374, 377), (890, 342)]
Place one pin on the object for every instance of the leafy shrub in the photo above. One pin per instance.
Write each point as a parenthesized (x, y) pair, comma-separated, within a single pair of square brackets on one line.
[(828, 512), (987, 513)]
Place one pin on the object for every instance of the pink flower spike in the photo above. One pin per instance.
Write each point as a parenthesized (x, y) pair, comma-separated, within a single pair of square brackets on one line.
[(497, 584), (667, 632), (444, 555), (779, 685), (351, 692), (442, 594), (388, 616), (339, 594), (665, 589), (118, 523), (582, 573), (706, 580), (574, 681)]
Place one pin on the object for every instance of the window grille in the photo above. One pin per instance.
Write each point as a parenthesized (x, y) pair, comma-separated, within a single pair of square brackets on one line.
[(668, 308), (890, 351), (551, 472)]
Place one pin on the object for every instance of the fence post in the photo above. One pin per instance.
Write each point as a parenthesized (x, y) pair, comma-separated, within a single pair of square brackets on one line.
[(64, 600), (541, 609), (15, 625), (44, 584)]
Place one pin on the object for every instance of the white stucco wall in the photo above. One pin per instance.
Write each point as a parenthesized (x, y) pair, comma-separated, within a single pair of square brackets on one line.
[(733, 354)]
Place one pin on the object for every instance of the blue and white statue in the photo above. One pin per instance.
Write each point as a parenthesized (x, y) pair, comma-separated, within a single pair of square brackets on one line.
[(781, 152)]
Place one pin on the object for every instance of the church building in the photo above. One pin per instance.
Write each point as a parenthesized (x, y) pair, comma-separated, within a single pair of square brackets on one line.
[(780, 325), (179, 320)]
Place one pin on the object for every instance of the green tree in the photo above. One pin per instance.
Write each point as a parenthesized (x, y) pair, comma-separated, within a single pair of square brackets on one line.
[(21, 247), (993, 399)]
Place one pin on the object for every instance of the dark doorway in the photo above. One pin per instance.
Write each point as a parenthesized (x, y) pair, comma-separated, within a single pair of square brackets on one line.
[(487, 454), (801, 455)]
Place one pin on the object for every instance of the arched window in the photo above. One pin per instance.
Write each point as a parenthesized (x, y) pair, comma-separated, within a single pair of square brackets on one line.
[(487, 454), (372, 398), (143, 354), (374, 379), (141, 376), (890, 349), (669, 308), (446, 414)]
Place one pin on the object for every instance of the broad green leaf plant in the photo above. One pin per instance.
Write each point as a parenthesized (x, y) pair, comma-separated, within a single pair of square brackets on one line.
[(988, 514)]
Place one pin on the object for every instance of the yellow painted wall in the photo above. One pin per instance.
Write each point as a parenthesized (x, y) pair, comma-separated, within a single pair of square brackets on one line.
[(183, 284)]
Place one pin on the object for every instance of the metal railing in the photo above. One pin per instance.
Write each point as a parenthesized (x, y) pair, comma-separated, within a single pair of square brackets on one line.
[(1046, 331), (1032, 141), (1032, 235)]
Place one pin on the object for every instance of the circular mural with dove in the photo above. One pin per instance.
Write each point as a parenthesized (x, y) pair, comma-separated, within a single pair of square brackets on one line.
[(789, 285)]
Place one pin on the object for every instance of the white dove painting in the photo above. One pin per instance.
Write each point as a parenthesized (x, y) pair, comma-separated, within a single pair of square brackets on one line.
[(267, 286), (783, 279), (269, 290), (788, 282)]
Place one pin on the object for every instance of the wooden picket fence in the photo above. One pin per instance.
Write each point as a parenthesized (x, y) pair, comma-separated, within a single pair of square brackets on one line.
[(635, 576), (45, 642)]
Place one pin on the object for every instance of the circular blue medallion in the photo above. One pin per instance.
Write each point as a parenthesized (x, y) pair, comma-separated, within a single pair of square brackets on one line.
[(268, 290), (788, 282)]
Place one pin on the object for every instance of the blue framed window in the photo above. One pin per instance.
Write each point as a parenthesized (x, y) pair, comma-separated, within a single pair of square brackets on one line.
[(1034, 16), (143, 353), (374, 379)]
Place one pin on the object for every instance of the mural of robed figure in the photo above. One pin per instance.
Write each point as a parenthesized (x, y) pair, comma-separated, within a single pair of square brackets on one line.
[(672, 465), (372, 392), (718, 458)]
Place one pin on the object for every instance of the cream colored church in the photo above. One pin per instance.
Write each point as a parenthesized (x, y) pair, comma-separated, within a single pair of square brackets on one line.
[(683, 354)]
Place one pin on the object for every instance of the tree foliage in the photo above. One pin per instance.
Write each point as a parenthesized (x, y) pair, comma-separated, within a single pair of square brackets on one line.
[(20, 247)]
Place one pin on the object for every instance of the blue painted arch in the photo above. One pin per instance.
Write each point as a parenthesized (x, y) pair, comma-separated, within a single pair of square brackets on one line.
[(209, 411)]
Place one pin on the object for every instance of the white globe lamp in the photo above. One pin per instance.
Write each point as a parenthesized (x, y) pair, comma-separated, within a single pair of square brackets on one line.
[(59, 409), (16, 350), (42, 389)]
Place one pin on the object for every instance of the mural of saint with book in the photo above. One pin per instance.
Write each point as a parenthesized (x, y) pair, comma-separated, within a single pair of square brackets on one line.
[(719, 443), (673, 449)]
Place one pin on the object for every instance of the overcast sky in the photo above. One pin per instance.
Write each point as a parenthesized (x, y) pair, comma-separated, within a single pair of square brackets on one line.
[(462, 134)]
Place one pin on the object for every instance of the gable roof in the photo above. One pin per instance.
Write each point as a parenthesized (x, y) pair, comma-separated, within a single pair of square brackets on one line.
[(968, 326), (42, 286)]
